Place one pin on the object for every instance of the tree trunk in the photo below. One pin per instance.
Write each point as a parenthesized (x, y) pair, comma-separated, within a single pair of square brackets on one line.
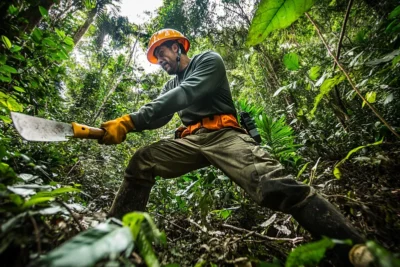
[(83, 29), (33, 15), (60, 16)]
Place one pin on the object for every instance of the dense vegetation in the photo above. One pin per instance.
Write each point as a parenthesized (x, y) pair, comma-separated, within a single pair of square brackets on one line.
[(322, 83)]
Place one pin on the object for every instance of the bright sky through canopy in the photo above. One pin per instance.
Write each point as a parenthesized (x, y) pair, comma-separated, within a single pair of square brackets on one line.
[(134, 10)]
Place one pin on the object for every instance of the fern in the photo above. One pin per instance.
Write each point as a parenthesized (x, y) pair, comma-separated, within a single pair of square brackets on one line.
[(144, 233), (278, 137), (309, 254)]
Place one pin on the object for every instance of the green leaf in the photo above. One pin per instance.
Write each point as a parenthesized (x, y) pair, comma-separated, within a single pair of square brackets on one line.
[(309, 254), (5, 79), (43, 11), (15, 48), (89, 4), (291, 61), (37, 35), (393, 26), (302, 169), (38, 200), (62, 55), (394, 13), (275, 14), (17, 200), (336, 170), (223, 214), (384, 59), (5, 119), (325, 88), (395, 60), (57, 192), (388, 99), (370, 97), (19, 89), (144, 232), (69, 41), (107, 240), (49, 41), (360, 36), (6, 41), (382, 256), (6, 171), (314, 73), (60, 33), (337, 173), (8, 69), (19, 57), (13, 105), (12, 10)]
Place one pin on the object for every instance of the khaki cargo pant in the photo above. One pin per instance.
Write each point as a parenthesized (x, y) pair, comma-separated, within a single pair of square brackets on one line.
[(235, 153)]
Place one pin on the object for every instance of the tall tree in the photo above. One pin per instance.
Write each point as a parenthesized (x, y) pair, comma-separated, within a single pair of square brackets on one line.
[(33, 15), (99, 7)]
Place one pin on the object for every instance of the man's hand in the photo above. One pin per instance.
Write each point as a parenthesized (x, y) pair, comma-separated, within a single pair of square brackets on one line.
[(116, 130)]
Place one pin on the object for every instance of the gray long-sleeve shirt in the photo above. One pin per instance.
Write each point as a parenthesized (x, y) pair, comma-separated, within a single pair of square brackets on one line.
[(202, 90)]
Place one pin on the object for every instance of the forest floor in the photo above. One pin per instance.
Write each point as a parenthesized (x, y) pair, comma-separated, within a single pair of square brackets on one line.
[(368, 195)]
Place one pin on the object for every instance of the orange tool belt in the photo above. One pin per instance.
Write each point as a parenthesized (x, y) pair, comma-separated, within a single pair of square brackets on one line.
[(215, 122)]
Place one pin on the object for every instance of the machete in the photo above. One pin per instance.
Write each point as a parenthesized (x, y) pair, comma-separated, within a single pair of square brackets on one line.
[(42, 130)]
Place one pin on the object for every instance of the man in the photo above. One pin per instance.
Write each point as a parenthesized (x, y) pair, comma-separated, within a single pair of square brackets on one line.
[(200, 94)]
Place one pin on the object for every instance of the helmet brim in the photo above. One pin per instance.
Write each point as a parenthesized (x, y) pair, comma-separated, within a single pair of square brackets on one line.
[(150, 52)]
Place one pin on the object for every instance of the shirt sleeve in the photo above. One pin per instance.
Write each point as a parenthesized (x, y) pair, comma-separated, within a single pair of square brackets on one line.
[(202, 82)]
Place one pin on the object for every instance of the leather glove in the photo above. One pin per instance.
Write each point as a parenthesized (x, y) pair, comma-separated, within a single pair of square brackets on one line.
[(116, 130)]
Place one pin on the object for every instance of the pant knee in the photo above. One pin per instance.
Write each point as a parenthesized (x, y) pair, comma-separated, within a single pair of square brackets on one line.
[(282, 194), (140, 168)]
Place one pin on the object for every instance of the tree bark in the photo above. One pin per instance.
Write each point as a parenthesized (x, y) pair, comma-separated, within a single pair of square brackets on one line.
[(33, 15), (83, 29), (341, 112)]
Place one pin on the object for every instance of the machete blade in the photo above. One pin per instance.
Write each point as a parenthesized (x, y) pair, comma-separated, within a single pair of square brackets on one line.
[(42, 130)]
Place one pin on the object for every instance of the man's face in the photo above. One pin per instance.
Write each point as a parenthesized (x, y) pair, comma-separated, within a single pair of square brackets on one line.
[(166, 58)]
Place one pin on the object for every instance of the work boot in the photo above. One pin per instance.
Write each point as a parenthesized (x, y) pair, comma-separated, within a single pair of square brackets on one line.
[(360, 256), (130, 197), (321, 218)]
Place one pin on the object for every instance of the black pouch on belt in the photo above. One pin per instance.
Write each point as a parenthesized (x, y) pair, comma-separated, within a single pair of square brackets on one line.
[(248, 123)]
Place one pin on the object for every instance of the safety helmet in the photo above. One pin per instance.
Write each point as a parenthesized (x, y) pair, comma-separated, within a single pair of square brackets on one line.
[(162, 36)]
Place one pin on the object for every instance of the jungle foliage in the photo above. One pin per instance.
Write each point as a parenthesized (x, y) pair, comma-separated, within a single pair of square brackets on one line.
[(321, 79)]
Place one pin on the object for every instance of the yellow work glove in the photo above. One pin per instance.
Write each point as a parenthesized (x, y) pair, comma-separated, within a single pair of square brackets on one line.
[(116, 130)]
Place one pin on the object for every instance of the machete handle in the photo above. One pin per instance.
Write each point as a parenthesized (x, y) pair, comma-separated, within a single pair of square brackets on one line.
[(87, 132)]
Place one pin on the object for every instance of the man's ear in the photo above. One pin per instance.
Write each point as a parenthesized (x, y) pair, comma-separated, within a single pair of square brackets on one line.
[(175, 47)]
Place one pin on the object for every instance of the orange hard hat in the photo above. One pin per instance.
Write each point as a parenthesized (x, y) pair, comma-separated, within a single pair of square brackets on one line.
[(162, 36)]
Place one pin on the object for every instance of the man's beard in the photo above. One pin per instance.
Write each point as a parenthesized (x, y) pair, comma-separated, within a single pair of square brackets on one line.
[(171, 69)]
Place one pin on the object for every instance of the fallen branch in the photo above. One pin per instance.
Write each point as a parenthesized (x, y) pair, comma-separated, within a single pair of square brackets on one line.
[(243, 237), (197, 225), (72, 214), (349, 79), (293, 240), (174, 224)]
